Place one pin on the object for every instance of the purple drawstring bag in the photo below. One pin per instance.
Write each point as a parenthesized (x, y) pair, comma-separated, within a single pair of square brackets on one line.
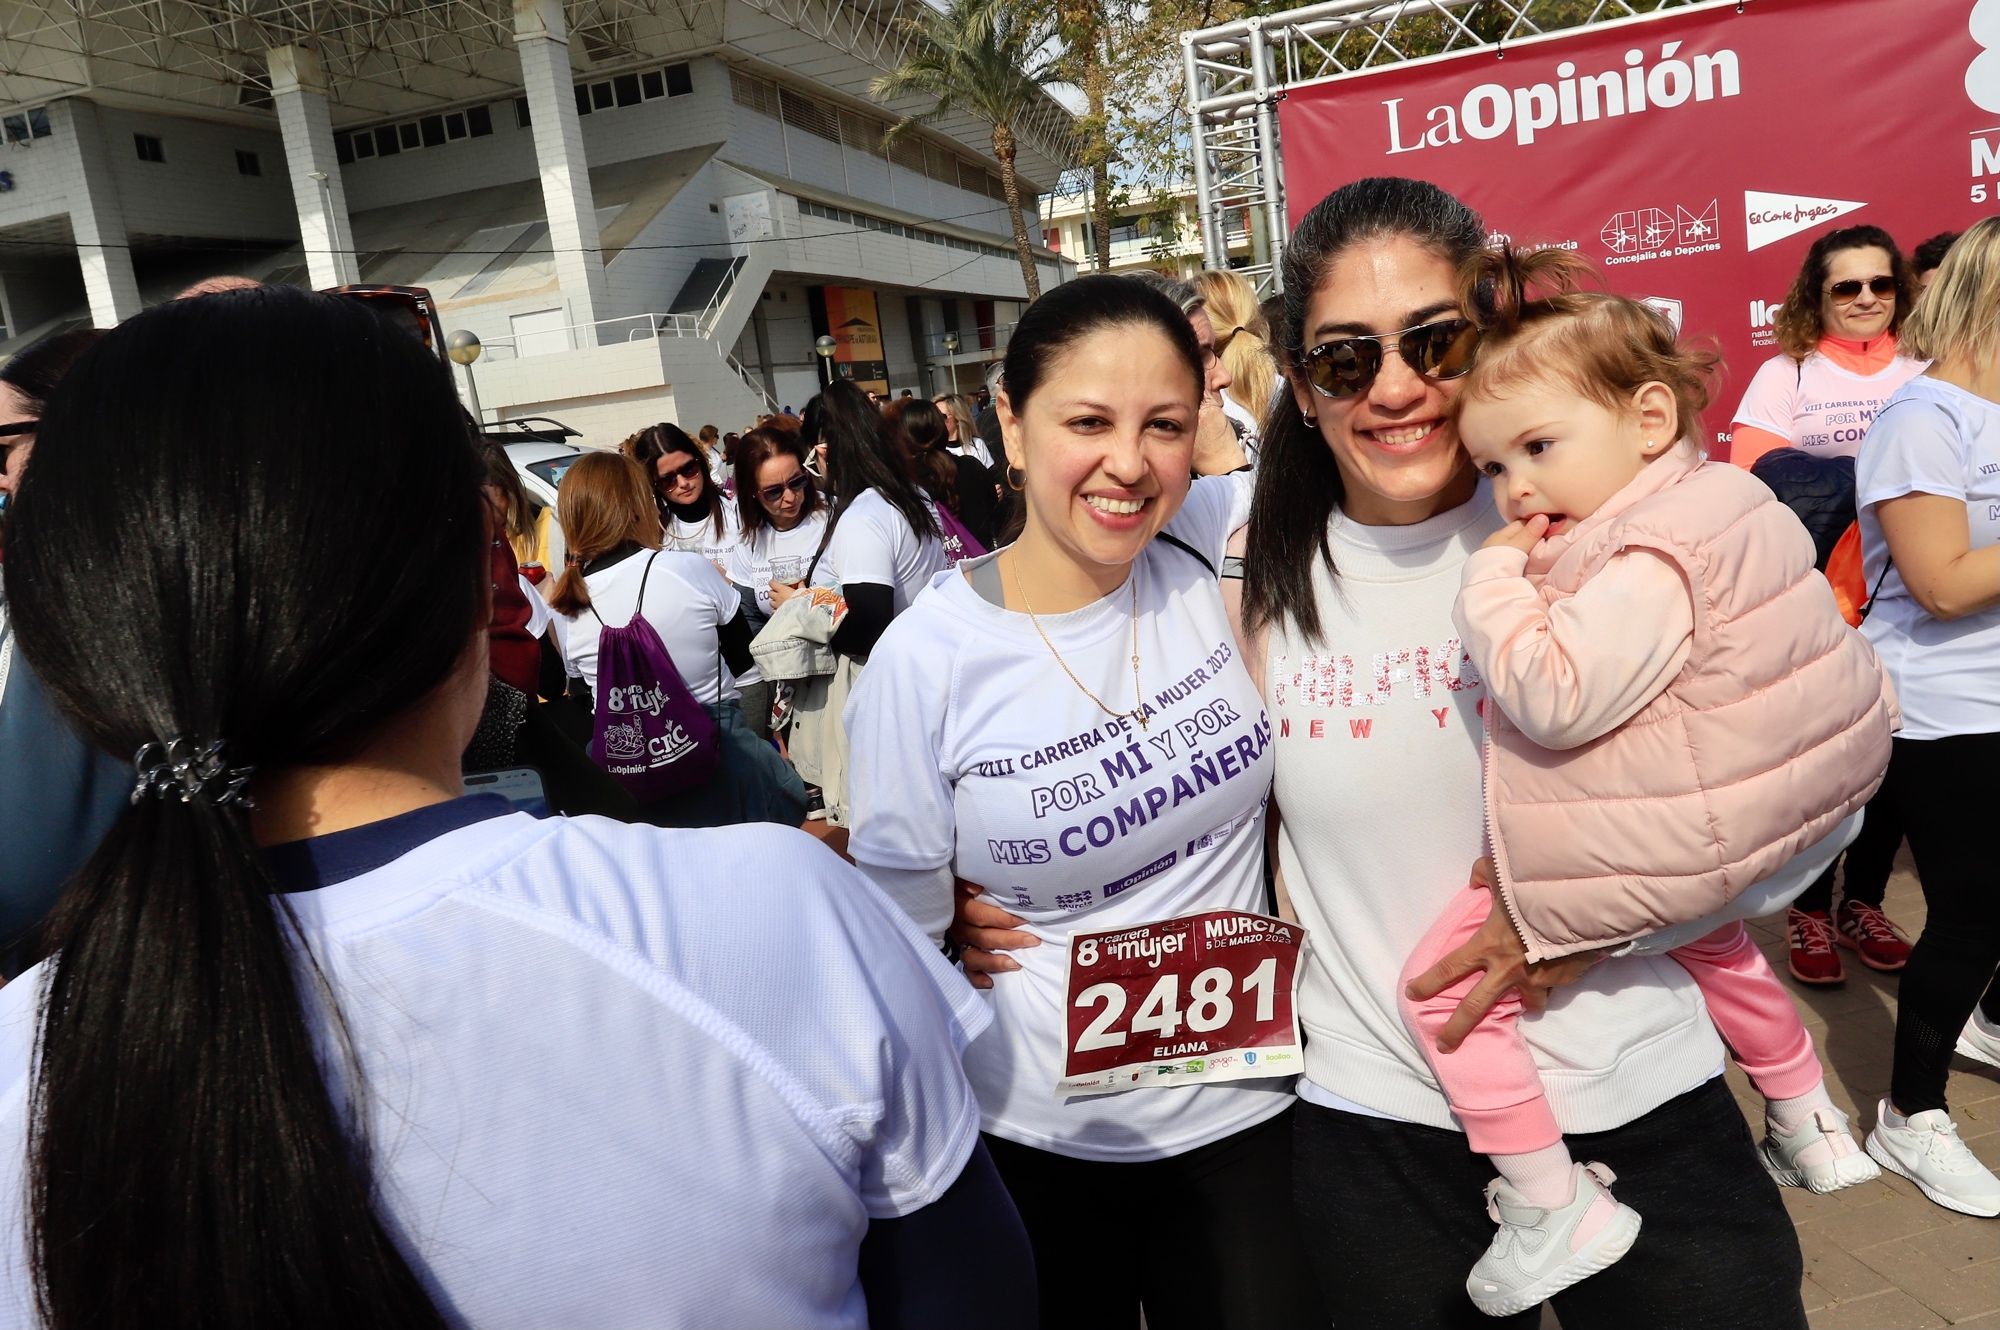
[(650, 732), (959, 542)]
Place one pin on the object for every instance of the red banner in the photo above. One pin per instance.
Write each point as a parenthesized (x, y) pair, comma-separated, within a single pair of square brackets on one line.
[(1693, 157)]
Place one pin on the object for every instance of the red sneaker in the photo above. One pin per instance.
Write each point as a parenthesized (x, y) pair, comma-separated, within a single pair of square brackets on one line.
[(1814, 961), (1867, 932)]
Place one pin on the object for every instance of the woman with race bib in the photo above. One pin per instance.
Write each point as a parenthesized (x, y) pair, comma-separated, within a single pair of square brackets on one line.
[(1068, 722)]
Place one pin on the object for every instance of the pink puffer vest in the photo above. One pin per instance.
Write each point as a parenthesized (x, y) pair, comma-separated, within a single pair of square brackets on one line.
[(1777, 729)]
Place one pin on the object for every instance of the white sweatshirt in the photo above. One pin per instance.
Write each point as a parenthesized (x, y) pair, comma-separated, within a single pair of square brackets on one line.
[(1378, 738)]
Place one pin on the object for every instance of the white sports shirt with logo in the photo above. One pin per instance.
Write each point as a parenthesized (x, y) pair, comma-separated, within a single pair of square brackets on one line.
[(874, 543), (622, 1076), (702, 538), (970, 750), (1816, 404)]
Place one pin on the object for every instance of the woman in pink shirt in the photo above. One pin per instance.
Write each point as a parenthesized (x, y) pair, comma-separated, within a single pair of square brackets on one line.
[(1840, 362), (1681, 712)]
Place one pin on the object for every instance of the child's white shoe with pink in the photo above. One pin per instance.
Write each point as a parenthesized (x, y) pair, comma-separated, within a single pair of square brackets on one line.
[(1821, 1155), (1539, 1252)]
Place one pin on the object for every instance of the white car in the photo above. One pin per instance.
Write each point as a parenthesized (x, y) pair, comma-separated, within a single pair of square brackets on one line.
[(541, 455)]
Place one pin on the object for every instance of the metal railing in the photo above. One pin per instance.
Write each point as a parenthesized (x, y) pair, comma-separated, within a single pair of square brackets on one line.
[(988, 343)]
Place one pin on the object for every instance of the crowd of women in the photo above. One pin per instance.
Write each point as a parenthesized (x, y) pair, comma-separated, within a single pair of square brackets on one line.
[(1416, 746)]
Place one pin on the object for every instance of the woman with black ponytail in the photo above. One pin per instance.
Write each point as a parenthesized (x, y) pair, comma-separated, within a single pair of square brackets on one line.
[(321, 1042)]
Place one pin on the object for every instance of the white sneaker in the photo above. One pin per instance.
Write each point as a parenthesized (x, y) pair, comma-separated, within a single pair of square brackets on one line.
[(1927, 1151), (1537, 1253), (1821, 1156), (1980, 1041)]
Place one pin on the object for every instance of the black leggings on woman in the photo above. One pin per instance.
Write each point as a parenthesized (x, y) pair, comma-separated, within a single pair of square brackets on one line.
[(1943, 790), (1204, 1241)]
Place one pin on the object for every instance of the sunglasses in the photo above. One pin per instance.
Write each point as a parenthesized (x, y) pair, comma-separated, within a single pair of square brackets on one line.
[(1442, 350), (686, 472), (1847, 292), (796, 485), (15, 428)]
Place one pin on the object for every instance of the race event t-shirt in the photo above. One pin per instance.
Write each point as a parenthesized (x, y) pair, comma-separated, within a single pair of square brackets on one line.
[(874, 543), (969, 747), (701, 537), (1820, 406), (686, 601), (607, 1064), (1933, 438), (761, 556)]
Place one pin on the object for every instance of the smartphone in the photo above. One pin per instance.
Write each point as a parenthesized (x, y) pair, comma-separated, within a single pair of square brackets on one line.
[(520, 786)]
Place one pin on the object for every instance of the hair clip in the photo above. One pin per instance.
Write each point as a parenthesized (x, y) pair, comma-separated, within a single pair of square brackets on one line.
[(180, 768)]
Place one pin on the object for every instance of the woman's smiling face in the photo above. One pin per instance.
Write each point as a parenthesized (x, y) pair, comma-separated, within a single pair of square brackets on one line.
[(1394, 442)]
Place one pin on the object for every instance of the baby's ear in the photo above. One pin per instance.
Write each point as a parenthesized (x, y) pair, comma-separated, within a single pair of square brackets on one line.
[(1659, 414)]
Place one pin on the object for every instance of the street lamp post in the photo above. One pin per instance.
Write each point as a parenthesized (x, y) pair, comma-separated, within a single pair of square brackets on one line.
[(824, 346), (464, 348), (951, 356)]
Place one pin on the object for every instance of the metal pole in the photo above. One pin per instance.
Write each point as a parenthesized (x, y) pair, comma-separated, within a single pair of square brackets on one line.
[(472, 396), (1212, 245), (1267, 151)]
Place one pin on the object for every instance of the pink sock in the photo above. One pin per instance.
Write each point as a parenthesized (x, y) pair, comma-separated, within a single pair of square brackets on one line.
[(1545, 1177)]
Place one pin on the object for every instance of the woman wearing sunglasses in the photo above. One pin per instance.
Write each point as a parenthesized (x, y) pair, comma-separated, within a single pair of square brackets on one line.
[(1365, 513), (783, 521), (1838, 363), (695, 514)]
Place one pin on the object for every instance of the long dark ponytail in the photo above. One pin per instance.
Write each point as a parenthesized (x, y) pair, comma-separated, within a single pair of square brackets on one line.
[(219, 538), (1298, 485)]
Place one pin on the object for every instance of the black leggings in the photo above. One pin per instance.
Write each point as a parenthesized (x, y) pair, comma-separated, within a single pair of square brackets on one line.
[(1203, 1241), (1869, 860), (1393, 1222), (1943, 791)]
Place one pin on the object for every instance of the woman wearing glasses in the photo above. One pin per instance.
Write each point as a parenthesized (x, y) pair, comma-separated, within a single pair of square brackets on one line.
[(695, 514), (1366, 511), (783, 520), (1838, 363)]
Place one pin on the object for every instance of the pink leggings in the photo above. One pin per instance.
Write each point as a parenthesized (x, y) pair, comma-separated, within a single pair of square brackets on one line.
[(1491, 1079)]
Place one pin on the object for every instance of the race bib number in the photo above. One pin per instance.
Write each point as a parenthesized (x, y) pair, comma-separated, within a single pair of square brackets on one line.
[(1206, 997)]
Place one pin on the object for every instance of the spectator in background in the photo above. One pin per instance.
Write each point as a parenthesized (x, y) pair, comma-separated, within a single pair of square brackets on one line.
[(986, 419), (693, 510), (1927, 483), (1924, 260), (959, 483), (1243, 340), (963, 430), (1219, 438), (710, 439), (60, 794), (1839, 361)]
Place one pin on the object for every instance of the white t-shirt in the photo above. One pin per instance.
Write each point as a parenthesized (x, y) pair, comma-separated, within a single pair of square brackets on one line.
[(874, 543), (620, 1076), (752, 564), (1817, 405), (686, 601), (701, 538), (961, 733), (1378, 783), (1933, 438)]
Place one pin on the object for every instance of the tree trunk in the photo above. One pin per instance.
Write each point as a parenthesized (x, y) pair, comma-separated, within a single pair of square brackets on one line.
[(1003, 149), (1096, 77)]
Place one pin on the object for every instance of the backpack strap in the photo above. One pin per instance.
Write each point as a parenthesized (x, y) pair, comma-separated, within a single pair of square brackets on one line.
[(1188, 550), (638, 605)]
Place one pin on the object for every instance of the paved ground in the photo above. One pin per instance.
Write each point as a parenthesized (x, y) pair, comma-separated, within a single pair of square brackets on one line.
[(1879, 1257)]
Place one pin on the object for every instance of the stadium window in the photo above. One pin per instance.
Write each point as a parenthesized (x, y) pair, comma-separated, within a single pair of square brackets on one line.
[(654, 84), (385, 142), (431, 129), (38, 123), (454, 125), (625, 90), (521, 118), (680, 80), (601, 97), (583, 99), (343, 149), (15, 128), (150, 148), (409, 135), (478, 121), (247, 163)]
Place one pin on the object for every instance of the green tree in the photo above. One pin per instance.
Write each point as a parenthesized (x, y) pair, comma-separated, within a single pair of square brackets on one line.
[(991, 60)]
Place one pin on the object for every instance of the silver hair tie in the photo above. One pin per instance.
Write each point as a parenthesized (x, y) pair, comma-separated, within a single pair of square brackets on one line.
[(181, 768)]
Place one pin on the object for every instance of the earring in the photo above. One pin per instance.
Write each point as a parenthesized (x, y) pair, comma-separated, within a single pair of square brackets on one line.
[(1013, 484), (1311, 420)]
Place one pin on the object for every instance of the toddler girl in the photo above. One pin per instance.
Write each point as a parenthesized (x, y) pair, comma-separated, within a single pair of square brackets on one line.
[(1675, 709)]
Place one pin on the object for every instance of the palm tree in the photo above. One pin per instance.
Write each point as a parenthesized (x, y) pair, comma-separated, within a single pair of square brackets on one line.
[(991, 60)]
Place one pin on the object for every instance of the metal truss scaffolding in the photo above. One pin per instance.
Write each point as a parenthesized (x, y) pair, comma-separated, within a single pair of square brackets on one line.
[(1237, 72)]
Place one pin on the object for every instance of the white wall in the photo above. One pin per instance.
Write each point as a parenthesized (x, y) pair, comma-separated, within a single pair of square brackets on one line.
[(197, 190)]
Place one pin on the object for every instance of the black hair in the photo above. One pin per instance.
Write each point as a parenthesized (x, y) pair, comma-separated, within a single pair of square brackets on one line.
[(294, 551), (1930, 253), (652, 443), (861, 455), (1298, 485), (1073, 311), (39, 367)]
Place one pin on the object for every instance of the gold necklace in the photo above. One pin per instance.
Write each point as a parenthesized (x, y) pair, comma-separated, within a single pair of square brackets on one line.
[(1138, 712)]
